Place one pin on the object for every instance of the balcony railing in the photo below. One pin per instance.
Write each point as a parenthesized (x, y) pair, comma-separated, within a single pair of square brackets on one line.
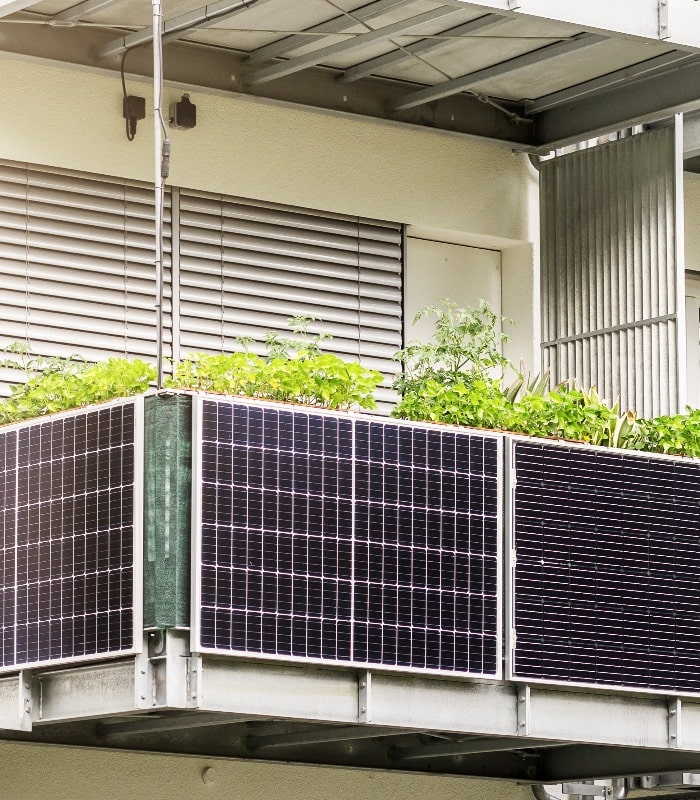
[(261, 561)]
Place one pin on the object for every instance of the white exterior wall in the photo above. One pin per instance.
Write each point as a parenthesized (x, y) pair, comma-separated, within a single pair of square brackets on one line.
[(450, 187), (474, 193)]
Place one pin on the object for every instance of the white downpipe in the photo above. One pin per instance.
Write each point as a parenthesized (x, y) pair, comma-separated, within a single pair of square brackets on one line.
[(158, 177)]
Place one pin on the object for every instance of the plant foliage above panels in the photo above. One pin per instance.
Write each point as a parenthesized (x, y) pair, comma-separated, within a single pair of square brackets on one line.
[(59, 384), (294, 370), (466, 346)]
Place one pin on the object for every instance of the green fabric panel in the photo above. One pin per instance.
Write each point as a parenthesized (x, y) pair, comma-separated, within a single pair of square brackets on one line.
[(167, 511)]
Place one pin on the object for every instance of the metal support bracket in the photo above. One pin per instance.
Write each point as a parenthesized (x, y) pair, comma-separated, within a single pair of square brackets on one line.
[(586, 789), (364, 696), (664, 25), (674, 722), (523, 703), (26, 700), (170, 666)]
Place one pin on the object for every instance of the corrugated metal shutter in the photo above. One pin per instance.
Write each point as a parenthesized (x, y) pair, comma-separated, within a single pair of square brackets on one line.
[(247, 267), (612, 270), (76, 259)]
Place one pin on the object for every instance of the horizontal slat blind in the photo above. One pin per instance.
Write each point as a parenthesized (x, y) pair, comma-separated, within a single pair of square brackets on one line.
[(246, 268), (77, 264)]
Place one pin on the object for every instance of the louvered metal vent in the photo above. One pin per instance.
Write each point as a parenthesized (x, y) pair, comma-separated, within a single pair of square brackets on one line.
[(607, 568), (70, 536), (328, 537)]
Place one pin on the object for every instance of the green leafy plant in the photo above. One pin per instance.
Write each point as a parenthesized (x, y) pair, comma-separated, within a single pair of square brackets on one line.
[(294, 370), (466, 346), (678, 434), (58, 384)]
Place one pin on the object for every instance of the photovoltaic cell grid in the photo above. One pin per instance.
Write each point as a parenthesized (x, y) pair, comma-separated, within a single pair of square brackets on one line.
[(607, 569), (329, 537), (66, 537)]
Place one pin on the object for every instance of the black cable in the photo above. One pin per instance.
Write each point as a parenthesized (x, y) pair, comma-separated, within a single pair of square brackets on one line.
[(130, 124)]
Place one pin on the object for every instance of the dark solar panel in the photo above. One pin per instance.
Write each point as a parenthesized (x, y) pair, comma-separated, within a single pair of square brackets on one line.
[(67, 536), (324, 536), (607, 568), (426, 551)]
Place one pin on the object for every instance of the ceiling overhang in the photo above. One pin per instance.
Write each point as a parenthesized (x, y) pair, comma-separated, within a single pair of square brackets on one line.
[(533, 74)]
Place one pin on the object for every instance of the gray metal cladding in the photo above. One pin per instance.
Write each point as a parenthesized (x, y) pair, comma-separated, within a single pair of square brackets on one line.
[(611, 221)]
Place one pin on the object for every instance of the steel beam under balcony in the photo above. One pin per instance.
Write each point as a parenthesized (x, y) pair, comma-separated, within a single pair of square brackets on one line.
[(174, 722), (652, 66), (176, 27), (81, 10), (447, 88), (469, 747), (320, 735), (420, 48), (653, 98), (335, 25), (319, 56), (8, 7)]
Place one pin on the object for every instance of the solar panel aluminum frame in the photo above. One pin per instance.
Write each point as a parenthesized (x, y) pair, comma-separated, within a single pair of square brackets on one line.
[(196, 560), (510, 643), (137, 568)]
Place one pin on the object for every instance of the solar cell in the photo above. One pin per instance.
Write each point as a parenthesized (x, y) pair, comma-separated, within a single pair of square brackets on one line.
[(67, 536), (330, 537), (607, 568)]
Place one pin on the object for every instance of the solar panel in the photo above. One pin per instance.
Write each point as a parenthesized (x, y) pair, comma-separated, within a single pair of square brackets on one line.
[(426, 551), (69, 536), (330, 537), (607, 568)]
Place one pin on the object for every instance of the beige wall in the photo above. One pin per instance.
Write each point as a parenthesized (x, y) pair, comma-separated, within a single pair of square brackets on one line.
[(449, 187), (38, 772), (265, 150)]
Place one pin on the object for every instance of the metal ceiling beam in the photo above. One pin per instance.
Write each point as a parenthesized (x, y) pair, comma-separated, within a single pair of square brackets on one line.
[(593, 761), (643, 69), (447, 88), (81, 10), (653, 98), (336, 25), (639, 20), (320, 55), (8, 7), (469, 747), (176, 27), (321, 735), (174, 722), (423, 47)]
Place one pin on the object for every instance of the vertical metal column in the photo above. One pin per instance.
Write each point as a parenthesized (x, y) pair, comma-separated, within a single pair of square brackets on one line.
[(612, 282)]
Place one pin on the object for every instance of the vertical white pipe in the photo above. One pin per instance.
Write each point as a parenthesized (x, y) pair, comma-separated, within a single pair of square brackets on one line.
[(158, 178)]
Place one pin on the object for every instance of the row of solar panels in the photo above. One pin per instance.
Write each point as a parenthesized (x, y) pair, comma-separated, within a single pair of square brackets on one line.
[(332, 538)]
